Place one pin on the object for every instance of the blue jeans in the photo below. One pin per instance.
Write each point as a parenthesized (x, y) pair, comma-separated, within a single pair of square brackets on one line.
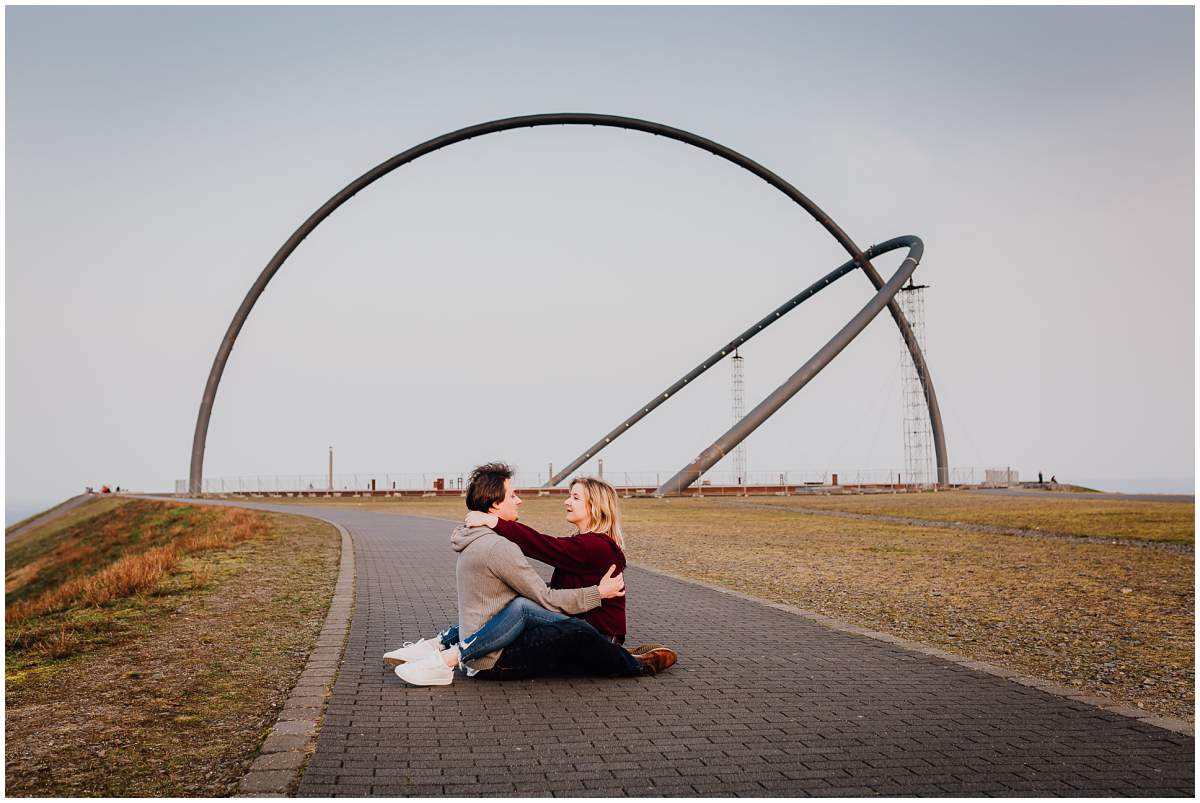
[(502, 629)]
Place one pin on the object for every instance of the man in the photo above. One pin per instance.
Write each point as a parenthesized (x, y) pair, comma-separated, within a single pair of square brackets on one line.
[(491, 572)]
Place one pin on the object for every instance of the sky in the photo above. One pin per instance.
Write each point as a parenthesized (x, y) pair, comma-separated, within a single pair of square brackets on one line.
[(516, 296)]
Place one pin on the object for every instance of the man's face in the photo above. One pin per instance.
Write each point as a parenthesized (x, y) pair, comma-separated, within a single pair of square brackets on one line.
[(508, 507)]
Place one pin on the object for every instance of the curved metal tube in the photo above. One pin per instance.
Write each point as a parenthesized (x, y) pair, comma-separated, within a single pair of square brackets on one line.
[(713, 359), (768, 406), (530, 121)]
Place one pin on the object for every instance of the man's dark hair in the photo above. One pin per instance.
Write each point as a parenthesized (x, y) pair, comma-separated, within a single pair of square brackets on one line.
[(486, 486)]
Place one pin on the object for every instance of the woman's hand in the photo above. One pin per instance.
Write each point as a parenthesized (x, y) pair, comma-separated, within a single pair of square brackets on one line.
[(612, 585), (476, 519)]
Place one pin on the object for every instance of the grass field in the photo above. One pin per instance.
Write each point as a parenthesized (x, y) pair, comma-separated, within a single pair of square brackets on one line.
[(1111, 619), (1075, 514), (149, 645)]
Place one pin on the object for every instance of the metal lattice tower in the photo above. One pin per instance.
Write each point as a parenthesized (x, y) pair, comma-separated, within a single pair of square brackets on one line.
[(737, 382), (918, 438)]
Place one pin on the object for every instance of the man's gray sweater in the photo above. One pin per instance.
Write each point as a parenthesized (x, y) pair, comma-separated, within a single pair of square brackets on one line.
[(491, 572)]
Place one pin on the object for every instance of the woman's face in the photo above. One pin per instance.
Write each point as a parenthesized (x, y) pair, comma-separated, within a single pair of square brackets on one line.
[(578, 512)]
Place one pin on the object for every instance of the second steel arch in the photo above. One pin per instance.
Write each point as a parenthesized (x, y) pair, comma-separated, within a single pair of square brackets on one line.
[(858, 257)]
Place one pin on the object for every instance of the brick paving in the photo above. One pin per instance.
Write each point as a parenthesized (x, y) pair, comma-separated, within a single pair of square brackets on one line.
[(763, 702)]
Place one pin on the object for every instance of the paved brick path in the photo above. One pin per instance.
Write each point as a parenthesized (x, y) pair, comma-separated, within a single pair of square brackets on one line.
[(763, 702)]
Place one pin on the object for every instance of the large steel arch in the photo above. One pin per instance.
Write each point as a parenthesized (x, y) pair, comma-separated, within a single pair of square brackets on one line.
[(858, 257)]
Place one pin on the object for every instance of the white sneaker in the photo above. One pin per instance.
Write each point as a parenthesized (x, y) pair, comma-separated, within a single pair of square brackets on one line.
[(431, 671), (411, 651)]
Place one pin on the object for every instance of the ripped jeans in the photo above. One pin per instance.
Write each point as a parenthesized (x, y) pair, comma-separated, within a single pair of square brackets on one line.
[(501, 630)]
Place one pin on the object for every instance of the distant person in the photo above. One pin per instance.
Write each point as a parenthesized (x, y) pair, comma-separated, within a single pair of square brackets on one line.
[(1053, 480), (1040, 479)]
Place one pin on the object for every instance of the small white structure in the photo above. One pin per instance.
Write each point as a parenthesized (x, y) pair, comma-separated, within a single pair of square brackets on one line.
[(1000, 477)]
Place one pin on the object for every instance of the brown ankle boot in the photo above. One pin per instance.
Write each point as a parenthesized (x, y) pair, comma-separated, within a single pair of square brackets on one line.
[(657, 660), (642, 649)]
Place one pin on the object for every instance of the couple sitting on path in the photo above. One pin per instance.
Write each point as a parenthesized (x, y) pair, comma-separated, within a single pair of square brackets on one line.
[(518, 627)]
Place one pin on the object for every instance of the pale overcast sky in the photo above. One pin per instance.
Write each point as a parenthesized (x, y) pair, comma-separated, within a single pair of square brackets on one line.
[(518, 295)]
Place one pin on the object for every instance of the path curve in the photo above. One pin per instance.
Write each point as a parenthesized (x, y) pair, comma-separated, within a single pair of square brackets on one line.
[(765, 701)]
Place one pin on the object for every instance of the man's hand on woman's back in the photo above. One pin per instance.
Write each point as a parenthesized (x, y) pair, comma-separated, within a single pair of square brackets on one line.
[(612, 585)]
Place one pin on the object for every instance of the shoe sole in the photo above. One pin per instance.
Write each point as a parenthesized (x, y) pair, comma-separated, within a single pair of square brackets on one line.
[(445, 682), (393, 662), (642, 649)]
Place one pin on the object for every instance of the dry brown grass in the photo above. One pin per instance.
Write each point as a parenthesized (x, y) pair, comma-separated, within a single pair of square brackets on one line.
[(1075, 514), (64, 643), (232, 526), (177, 696), (137, 567), (1112, 619), (18, 568), (130, 575)]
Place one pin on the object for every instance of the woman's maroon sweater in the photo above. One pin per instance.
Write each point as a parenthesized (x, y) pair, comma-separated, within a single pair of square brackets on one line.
[(579, 561)]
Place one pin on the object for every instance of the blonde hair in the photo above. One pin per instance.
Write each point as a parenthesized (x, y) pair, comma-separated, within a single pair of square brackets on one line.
[(601, 500)]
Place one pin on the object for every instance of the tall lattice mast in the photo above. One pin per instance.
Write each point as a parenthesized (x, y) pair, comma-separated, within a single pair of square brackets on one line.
[(737, 383), (918, 437)]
